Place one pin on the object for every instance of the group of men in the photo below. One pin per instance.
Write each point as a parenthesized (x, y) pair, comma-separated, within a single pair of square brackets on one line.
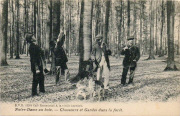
[(100, 55)]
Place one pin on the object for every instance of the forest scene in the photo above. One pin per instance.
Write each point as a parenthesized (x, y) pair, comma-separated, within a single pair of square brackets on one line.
[(154, 26)]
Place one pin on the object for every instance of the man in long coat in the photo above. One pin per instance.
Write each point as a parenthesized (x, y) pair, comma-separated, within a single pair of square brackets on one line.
[(37, 60), (101, 54), (61, 58), (132, 55)]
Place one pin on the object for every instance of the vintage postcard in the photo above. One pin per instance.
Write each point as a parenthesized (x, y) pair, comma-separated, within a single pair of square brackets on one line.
[(89, 57)]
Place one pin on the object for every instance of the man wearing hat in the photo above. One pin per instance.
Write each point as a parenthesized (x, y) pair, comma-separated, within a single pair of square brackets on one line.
[(61, 58), (100, 54), (132, 55), (37, 60)]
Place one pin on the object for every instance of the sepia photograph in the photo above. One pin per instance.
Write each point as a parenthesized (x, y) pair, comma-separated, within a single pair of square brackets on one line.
[(89, 57)]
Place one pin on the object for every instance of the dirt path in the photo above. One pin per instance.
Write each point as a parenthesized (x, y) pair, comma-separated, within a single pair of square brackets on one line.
[(151, 82)]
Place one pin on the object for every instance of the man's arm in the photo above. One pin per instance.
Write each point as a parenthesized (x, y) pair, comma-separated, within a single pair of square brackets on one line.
[(137, 54), (124, 50)]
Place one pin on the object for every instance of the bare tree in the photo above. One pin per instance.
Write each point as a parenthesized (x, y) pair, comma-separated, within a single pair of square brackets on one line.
[(3, 32), (106, 22), (84, 37), (17, 31), (170, 34), (151, 49), (128, 15)]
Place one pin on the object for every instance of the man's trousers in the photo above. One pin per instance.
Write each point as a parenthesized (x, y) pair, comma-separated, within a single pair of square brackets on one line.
[(38, 79), (103, 69), (124, 74)]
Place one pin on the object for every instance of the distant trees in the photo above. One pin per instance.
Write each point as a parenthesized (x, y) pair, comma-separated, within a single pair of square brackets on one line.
[(116, 20)]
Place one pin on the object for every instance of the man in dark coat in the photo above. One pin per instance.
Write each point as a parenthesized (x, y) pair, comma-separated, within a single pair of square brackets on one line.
[(37, 60), (61, 58), (132, 55), (100, 54)]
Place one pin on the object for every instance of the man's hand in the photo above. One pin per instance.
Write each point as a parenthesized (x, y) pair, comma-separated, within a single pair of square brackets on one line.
[(134, 60), (125, 48)]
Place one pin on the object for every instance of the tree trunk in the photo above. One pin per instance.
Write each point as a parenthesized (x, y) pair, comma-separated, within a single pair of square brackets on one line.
[(170, 34), (134, 23), (69, 50), (87, 29), (85, 38), (3, 32), (161, 35), (38, 24), (105, 32), (128, 22), (81, 47), (120, 32), (17, 31), (11, 30), (151, 50), (140, 38), (178, 51), (98, 12), (77, 28), (156, 38), (35, 21)]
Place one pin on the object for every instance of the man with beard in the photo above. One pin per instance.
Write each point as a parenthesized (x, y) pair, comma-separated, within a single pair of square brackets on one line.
[(132, 55), (101, 57)]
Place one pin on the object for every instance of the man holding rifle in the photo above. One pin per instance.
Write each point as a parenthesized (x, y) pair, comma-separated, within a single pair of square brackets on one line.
[(132, 55)]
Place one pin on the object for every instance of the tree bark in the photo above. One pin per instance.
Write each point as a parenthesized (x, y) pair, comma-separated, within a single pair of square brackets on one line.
[(3, 32), (17, 32), (81, 47), (128, 15), (11, 30), (85, 38), (170, 34), (151, 49), (178, 51), (161, 35), (106, 24)]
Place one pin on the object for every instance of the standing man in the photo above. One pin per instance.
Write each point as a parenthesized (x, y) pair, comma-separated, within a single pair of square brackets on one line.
[(37, 60), (101, 57), (132, 55), (61, 58)]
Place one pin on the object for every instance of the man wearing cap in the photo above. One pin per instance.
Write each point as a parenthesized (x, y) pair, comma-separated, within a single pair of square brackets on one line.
[(37, 59), (101, 54), (132, 55), (61, 58)]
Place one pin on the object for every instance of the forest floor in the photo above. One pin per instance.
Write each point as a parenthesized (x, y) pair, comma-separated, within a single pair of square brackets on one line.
[(151, 82)]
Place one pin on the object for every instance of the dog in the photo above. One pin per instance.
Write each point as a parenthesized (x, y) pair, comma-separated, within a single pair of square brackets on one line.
[(96, 88), (82, 89)]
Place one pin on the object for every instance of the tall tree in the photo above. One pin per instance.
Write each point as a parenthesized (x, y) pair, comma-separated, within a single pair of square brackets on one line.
[(135, 18), (156, 38), (106, 22), (81, 47), (178, 51), (151, 49), (11, 29), (128, 15), (170, 34), (162, 26), (3, 32), (84, 38), (87, 29), (17, 31)]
